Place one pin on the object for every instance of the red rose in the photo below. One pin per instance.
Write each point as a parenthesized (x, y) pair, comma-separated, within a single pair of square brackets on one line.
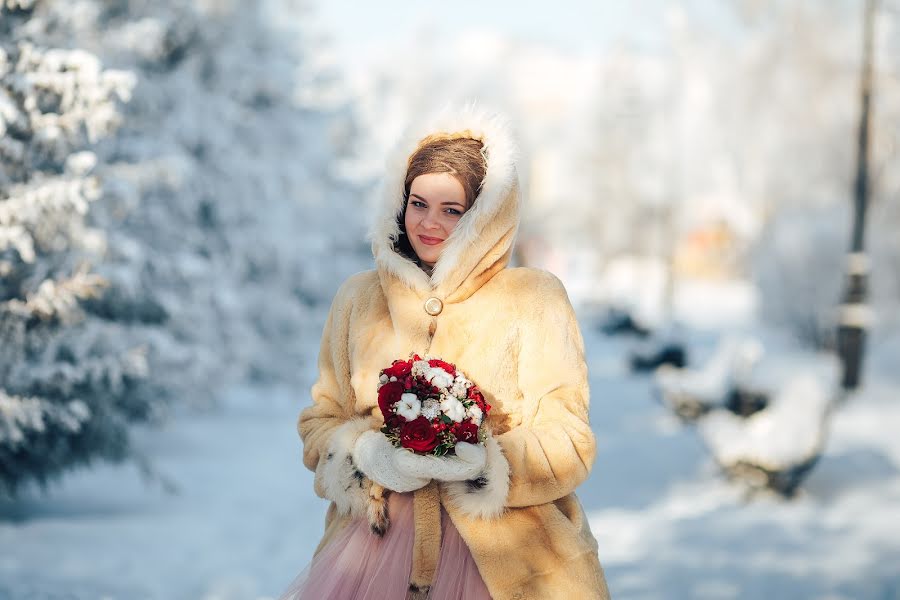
[(436, 362), (399, 369), (476, 397), (465, 431), (417, 435), (388, 395)]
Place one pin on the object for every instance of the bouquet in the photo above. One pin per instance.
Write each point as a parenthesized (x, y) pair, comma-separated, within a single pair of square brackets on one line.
[(429, 406)]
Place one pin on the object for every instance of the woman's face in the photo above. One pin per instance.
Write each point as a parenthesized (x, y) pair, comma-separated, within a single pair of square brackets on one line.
[(436, 202)]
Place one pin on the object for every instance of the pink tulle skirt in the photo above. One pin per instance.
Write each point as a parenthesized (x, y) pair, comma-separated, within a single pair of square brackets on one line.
[(358, 565)]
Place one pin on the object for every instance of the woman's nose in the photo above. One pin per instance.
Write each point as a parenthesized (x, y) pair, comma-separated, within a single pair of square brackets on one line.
[(430, 221)]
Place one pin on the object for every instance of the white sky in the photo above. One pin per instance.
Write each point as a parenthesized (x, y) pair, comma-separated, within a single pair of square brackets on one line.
[(359, 29)]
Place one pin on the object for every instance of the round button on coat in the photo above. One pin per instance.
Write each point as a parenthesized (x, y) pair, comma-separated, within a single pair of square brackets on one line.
[(434, 306)]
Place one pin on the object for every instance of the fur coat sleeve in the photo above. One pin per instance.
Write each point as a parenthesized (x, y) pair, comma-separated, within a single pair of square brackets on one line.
[(551, 452), (328, 427)]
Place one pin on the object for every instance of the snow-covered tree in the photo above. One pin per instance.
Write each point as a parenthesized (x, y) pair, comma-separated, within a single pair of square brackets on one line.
[(221, 198), (225, 200), (797, 136), (223, 186), (66, 396)]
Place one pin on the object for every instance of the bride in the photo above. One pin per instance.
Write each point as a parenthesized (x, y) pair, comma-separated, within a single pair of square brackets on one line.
[(499, 519)]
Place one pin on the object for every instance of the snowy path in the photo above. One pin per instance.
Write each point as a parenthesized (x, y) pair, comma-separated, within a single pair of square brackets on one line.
[(246, 520), (670, 527)]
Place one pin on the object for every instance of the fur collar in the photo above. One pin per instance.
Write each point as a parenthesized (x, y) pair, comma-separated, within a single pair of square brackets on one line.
[(484, 234)]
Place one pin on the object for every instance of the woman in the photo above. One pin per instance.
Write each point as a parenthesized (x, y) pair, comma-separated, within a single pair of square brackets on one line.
[(498, 520)]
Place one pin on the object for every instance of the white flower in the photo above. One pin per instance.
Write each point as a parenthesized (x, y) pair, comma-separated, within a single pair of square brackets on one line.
[(459, 389), (419, 367), (409, 407), (475, 414), (431, 408), (453, 408), (439, 377), (383, 378)]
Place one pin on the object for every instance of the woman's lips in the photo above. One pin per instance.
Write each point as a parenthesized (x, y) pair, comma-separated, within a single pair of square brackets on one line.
[(430, 241)]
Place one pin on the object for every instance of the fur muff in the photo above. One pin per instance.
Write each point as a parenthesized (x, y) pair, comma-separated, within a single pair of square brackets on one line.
[(513, 332)]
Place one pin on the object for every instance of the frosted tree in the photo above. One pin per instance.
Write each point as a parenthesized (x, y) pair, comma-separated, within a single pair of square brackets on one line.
[(224, 187), (66, 397), (222, 190), (801, 174)]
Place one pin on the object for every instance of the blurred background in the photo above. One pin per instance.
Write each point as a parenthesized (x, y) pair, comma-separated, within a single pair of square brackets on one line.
[(185, 184)]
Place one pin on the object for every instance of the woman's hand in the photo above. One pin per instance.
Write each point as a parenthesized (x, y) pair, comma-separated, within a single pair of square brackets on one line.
[(376, 457), (468, 463)]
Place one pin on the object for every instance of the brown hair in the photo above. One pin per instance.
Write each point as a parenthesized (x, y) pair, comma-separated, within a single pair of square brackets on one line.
[(461, 157)]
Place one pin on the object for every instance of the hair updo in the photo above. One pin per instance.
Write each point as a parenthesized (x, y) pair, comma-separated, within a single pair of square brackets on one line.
[(462, 157)]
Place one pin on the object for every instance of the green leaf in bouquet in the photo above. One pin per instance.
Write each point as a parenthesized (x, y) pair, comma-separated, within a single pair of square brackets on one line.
[(445, 448), (440, 450), (392, 436)]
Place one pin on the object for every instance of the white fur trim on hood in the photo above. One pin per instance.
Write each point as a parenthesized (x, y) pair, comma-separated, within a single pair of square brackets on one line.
[(481, 230)]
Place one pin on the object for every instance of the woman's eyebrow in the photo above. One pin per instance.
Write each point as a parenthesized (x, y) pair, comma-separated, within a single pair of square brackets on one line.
[(444, 203)]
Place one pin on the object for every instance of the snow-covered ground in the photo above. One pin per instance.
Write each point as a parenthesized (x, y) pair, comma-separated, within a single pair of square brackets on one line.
[(670, 527), (245, 519)]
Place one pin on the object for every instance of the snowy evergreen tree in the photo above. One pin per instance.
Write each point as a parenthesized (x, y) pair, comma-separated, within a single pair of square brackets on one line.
[(213, 237), (224, 192), (66, 395)]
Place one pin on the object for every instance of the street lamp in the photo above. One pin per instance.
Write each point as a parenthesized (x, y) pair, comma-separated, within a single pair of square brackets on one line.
[(855, 315)]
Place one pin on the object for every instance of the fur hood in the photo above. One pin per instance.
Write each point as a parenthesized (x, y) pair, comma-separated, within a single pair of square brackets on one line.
[(484, 236)]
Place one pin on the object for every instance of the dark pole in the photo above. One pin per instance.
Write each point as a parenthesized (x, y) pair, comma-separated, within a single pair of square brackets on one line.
[(854, 314)]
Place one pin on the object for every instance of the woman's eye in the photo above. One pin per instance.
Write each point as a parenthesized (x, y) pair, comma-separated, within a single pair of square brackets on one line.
[(453, 211)]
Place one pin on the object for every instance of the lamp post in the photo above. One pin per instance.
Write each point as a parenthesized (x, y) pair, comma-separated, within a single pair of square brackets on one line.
[(854, 314)]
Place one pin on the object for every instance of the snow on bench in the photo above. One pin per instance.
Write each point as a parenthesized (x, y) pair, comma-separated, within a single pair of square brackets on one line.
[(692, 392), (775, 447)]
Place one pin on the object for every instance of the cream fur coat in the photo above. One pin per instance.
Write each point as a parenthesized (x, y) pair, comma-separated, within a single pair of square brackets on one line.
[(510, 330)]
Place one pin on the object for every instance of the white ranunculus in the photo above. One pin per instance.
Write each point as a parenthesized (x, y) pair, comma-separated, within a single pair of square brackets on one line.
[(453, 408), (439, 377), (409, 407), (475, 414)]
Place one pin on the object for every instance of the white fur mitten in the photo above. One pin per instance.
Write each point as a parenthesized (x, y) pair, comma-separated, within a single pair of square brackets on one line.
[(375, 456), (484, 495), (467, 464)]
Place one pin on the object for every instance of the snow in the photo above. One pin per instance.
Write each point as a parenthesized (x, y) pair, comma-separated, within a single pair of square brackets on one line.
[(783, 435), (670, 526), (243, 285), (245, 520)]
